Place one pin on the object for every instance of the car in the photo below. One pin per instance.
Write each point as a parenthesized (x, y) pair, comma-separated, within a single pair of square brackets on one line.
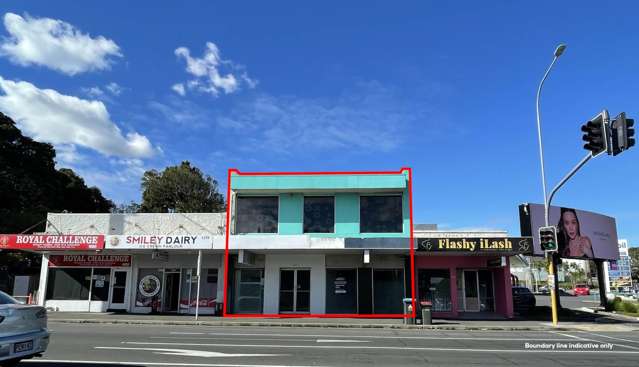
[(23, 330), (523, 300), (581, 290)]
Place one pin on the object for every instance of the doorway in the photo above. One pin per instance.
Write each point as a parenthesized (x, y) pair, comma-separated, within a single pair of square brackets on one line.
[(295, 290), (118, 295), (171, 296), (478, 291)]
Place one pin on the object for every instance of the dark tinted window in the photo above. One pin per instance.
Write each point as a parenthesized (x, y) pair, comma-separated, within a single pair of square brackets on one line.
[(256, 214), (69, 284), (319, 214), (380, 214), (5, 299)]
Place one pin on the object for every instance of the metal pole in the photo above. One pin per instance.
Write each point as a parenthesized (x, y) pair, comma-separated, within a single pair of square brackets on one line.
[(551, 262), (197, 295), (541, 147), (581, 163)]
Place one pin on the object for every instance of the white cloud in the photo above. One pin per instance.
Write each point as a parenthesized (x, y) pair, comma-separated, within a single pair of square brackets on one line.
[(50, 116), (94, 92), (369, 118), (179, 89), (55, 44), (114, 88), (208, 74)]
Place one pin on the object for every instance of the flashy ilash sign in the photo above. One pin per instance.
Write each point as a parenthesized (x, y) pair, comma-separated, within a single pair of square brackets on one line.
[(476, 245)]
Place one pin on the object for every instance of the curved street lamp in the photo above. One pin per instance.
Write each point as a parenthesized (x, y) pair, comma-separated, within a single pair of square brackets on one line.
[(551, 261)]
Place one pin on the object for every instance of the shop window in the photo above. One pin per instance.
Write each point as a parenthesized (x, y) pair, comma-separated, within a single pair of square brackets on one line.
[(68, 284), (148, 289), (388, 290), (319, 214), (100, 286), (381, 214), (208, 289), (256, 214), (434, 286)]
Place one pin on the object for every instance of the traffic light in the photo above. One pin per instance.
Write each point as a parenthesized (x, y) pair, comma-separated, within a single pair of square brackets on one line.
[(622, 134), (548, 238), (595, 135)]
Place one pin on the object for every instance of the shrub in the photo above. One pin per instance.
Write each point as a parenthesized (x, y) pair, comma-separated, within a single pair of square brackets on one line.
[(630, 307)]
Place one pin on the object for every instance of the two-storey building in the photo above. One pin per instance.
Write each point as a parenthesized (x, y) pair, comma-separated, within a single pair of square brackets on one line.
[(319, 243)]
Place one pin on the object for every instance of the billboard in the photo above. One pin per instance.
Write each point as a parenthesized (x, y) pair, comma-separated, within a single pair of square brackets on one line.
[(46, 242), (581, 234)]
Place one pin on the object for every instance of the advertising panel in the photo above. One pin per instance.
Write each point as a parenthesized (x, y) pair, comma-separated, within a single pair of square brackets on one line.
[(90, 261), (580, 234), (476, 245), (46, 242), (161, 242)]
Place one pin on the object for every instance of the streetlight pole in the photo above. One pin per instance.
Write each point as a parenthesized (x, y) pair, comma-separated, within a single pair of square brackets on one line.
[(551, 263)]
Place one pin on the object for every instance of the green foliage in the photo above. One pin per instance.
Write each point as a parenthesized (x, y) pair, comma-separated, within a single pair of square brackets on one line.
[(31, 186), (182, 189), (633, 252), (620, 305)]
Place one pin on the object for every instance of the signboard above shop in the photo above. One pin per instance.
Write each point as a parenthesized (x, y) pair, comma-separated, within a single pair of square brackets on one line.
[(580, 234), (476, 245), (160, 242), (90, 261), (46, 242)]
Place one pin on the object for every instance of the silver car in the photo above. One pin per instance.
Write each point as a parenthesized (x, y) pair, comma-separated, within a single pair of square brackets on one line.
[(23, 330)]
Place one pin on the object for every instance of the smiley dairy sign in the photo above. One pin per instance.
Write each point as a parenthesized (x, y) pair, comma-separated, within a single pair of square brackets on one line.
[(162, 242)]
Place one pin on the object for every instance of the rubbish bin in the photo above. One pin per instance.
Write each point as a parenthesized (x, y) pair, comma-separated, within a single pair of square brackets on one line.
[(408, 309), (427, 317)]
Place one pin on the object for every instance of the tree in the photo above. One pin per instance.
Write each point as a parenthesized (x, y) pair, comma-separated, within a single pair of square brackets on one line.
[(182, 189), (30, 187), (131, 207), (633, 252)]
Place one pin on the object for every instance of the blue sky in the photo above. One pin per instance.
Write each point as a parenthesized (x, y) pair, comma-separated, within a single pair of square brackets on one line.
[(446, 88)]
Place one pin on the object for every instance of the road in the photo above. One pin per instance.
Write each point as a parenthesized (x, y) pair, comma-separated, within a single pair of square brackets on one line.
[(81, 345), (573, 302)]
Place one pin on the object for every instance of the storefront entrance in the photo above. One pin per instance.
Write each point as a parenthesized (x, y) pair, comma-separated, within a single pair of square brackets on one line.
[(171, 292), (118, 295), (249, 291), (478, 291), (295, 290)]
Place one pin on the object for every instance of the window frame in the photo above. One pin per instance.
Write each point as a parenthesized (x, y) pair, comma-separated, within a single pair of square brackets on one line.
[(399, 194), (235, 205), (304, 213)]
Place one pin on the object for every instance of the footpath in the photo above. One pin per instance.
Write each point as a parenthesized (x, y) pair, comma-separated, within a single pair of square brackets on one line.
[(591, 322)]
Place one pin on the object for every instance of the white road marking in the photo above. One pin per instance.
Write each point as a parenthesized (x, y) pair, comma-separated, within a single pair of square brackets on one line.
[(599, 341), (341, 341), (145, 363), (609, 337), (384, 347), (194, 353), (185, 333), (366, 337), (205, 338), (568, 335)]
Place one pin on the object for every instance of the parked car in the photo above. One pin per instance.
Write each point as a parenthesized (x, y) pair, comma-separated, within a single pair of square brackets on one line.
[(581, 290), (23, 330), (523, 300)]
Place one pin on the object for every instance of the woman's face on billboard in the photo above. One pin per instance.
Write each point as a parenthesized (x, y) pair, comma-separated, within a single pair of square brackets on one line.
[(569, 221)]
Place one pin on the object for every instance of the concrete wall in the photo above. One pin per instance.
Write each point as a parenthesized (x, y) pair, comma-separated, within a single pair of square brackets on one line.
[(136, 224)]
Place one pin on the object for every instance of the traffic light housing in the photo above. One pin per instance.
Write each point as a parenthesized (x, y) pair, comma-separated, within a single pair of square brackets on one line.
[(622, 134), (548, 238), (595, 135)]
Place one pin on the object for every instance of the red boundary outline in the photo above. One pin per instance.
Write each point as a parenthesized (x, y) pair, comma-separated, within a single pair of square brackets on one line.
[(262, 315)]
